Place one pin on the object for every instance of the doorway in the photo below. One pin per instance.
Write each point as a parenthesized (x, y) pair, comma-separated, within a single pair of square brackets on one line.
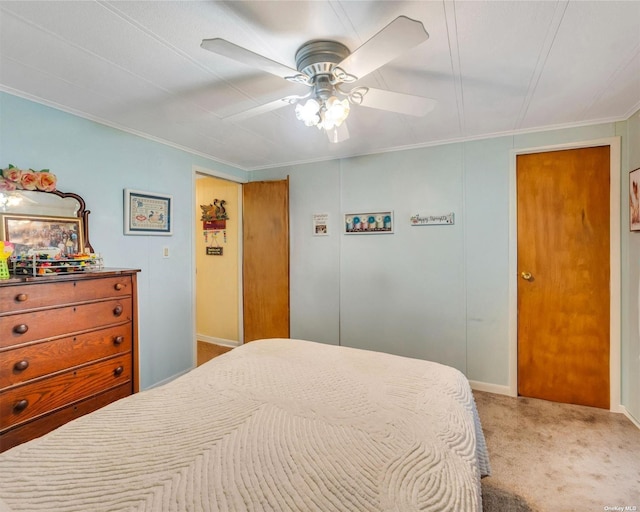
[(218, 262), (526, 279), (242, 269)]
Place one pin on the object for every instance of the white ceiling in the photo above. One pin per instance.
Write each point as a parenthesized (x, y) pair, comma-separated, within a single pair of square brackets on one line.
[(493, 67)]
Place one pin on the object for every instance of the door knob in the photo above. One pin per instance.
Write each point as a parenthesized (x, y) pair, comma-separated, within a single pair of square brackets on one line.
[(526, 276)]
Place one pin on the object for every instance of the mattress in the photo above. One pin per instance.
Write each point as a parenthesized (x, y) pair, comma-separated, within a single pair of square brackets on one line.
[(273, 425)]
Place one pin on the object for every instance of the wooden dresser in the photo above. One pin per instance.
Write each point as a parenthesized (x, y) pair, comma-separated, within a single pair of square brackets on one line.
[(68, 346)]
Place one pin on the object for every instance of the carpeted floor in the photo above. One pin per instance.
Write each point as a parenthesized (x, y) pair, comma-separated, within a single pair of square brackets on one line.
[(548, 457), (207, 351)]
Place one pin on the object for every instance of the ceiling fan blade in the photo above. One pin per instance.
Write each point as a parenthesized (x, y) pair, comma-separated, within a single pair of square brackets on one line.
[(397, 102), (392, 41), (247, 57), (262, 109), (339, 134)]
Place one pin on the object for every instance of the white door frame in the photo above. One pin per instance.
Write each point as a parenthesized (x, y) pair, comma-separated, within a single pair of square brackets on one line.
[(229, 177), (614, 259)]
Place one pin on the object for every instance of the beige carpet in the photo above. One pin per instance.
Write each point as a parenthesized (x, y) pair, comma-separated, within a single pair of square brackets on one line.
[(207, 351), (548, 457)]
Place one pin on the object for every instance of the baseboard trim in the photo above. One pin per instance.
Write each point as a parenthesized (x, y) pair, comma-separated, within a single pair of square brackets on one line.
[(218, 341), (167, 380), (490, 388), (624, 411)]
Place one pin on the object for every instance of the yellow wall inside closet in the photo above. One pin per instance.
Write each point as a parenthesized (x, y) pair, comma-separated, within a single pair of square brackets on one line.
[(217, 277)]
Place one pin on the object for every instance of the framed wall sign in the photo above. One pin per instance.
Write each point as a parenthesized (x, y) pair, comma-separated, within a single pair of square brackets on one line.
[(147, 213), (432, 220)]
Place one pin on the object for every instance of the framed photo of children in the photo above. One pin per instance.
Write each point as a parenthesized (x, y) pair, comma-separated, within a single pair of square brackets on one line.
[(147, 213), (634, 200), (53, 236)]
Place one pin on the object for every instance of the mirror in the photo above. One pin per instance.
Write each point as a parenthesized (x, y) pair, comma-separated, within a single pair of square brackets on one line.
[(50, 204)]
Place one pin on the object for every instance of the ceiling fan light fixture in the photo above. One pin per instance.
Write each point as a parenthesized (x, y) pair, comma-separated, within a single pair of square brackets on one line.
[(336, 112), (325, 115), (309, 113)]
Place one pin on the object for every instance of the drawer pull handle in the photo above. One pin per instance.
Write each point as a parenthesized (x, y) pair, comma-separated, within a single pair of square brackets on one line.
[(21, 328), (21, 366), (22, 297), (118, 310), (20, 405), (118, 340), (119, 286), (118, 371)]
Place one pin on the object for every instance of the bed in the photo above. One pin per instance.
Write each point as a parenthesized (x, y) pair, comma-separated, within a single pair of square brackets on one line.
[(273, 425)]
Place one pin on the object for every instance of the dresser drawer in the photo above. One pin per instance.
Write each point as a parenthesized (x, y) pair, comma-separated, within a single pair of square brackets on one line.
[(68, 346), (46, 294), (45, 324), (28, 401), (49, 422), (36, 360)]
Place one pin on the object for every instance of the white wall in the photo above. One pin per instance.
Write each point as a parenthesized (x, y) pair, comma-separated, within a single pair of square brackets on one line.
[(315, 290), (434, 292), (630, 350), (98, 162)]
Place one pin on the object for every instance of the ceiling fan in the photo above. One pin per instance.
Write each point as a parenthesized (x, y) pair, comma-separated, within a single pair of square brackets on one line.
[(326, 67)]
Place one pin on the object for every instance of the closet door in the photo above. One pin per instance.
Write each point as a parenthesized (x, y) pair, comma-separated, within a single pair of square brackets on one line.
[(266, 259), (564, 283)]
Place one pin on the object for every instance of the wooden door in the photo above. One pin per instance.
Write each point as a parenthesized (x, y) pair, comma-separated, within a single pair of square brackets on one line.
[(266, 259), (563, 282)]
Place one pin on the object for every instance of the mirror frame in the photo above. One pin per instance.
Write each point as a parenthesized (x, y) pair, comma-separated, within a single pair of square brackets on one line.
[(83, 213)]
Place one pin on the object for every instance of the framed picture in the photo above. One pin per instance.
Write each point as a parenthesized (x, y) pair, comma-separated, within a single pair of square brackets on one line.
[(147, 213), (376, 222), (53, 236), (634, 200), (320, 224)]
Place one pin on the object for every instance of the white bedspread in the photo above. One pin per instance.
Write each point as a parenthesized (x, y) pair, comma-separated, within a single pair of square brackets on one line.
[(275, 425)]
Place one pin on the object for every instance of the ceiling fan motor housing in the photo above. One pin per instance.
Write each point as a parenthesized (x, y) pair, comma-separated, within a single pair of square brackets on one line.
[(319, 57), (323, 87)]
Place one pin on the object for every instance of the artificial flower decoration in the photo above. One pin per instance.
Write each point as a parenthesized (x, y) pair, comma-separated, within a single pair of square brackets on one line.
[(13, 178), (6, 249)]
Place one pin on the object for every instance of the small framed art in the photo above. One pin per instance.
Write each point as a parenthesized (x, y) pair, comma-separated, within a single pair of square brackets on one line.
[(371, 223), (320, 224), (147, 213), (634, 200)]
